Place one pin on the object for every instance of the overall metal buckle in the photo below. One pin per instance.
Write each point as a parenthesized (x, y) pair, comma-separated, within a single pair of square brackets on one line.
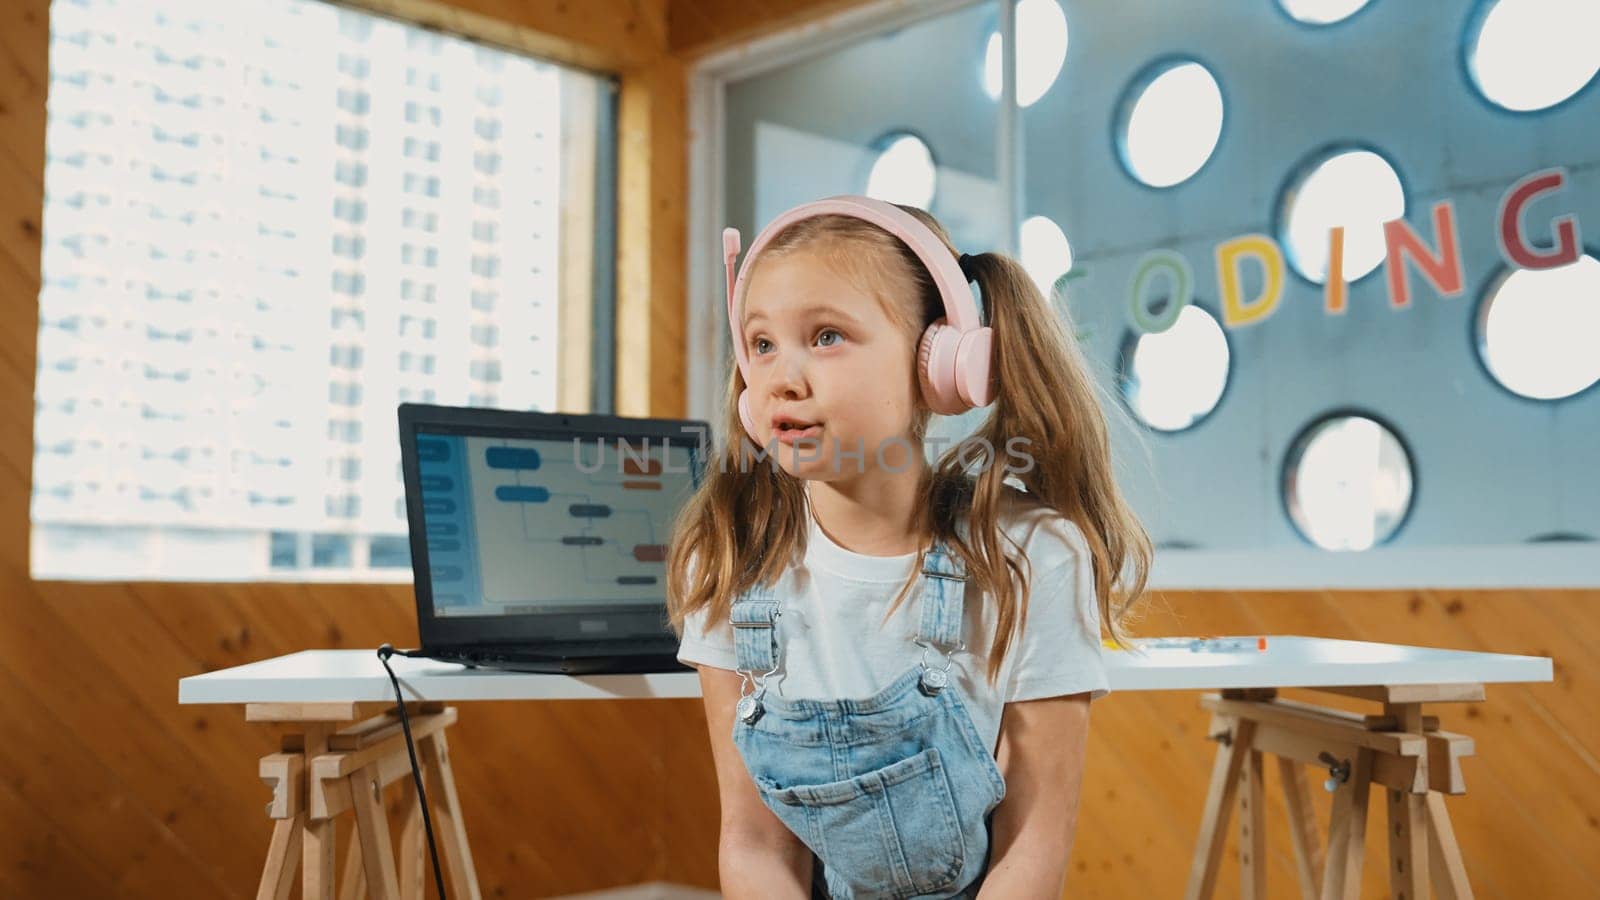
[(932, 681), (752, 689)]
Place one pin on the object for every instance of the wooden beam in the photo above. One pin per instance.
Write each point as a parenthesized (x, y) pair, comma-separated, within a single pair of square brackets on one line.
[(602, 35), (1410, 693), (652, 169), (697, 27)]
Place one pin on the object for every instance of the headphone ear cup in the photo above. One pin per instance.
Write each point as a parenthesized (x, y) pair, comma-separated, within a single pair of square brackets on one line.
[(974, 367), (936, 361), (924, 350), (744, 416)]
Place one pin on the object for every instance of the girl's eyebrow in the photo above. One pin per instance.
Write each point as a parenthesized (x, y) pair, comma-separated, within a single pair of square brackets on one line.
[(813, 310)]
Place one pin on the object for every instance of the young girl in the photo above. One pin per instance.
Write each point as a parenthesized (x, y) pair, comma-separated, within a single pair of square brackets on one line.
[(897, 658)]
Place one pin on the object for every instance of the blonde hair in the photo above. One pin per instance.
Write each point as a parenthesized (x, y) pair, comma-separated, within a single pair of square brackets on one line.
[(746, 523)]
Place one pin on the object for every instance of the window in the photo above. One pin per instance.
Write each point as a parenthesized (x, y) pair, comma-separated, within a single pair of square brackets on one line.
[(344, 430), (422, 221), (354, 66), (345, 356), (418, 326), (413, 255), (325, 195), (1347, 482), (350, 173), (416, 362), (419, 39), (422, 112), (354, 102), (486, 266), (1537, 330), (348, 210), (1045, 252), (422, 292), (1353, 188), (332, 550), (351, 246), (417, 78), (426, 185), (1322, 12), (352, 283), (1041, 49), (350, 137), (1527, 56), (418, 148), (1174, 378), (1169, 122), (342, 315), (390, 551), (346, 393), (904, 171)]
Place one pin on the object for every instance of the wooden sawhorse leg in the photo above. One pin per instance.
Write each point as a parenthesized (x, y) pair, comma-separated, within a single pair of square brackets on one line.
[(412, 864), (1303, 832), (277, 878), (1401, 752), (323, 772), (441, 780), (353, 882)]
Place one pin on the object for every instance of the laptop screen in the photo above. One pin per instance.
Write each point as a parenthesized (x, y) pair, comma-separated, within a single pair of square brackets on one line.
[(524, 527), (529, 526)]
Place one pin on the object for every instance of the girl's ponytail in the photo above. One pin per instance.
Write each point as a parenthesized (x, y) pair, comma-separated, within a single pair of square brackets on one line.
[(1049, 429)]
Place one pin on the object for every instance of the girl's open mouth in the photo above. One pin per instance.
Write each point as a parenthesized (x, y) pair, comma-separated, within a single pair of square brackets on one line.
[(788, 434)]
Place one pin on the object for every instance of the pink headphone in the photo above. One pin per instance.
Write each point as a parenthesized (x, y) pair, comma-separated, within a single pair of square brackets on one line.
[(953, 357)]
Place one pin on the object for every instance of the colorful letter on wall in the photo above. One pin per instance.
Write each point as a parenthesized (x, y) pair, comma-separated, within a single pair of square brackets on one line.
[(1512, 242), (1179, 293), (1335, 289), (1443, 271), (1235, 312)]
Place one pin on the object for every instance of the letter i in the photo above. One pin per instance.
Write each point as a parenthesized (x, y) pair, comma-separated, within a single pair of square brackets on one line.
[(1335, 289)]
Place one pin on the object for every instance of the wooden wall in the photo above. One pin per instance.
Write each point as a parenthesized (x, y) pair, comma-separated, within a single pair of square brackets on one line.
[(108, 788)]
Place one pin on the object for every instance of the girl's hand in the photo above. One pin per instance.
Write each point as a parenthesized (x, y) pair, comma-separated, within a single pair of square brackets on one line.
[(1040, 755), (757, 855)]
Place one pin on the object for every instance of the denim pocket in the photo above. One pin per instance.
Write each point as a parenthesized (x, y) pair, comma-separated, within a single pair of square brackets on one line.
[(892, 831)]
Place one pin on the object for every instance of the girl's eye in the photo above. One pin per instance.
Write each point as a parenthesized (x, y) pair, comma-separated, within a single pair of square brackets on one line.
[(759, 344)]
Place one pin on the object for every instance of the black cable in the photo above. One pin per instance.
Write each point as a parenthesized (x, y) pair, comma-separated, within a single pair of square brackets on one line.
[(384, 652)]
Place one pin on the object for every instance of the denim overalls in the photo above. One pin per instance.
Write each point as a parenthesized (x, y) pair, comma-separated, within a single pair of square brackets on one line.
[(893, 792)]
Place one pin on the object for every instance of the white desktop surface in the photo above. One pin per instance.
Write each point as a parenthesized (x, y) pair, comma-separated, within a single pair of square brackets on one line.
[(312, 676)]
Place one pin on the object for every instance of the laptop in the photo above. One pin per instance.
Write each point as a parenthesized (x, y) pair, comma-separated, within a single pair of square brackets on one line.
[(538, 540)]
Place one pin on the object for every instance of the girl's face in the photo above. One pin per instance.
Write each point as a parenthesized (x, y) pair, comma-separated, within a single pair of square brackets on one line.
[(824, 354)]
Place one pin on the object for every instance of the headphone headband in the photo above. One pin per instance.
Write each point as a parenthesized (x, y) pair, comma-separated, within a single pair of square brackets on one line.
[(961, 313)]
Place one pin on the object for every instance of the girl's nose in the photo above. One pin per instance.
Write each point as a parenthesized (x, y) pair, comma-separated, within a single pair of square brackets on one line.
[(788, 377)]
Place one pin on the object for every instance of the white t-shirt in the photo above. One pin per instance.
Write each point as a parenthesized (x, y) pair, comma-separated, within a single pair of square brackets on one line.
[(833, 646)]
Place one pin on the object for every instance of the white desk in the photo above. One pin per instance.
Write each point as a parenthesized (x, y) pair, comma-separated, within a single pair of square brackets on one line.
[(320, 676), (1399, 749), (313, 676)]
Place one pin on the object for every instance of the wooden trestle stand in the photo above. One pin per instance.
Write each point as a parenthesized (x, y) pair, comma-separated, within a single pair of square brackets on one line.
[(323, 770), (1401, 751)]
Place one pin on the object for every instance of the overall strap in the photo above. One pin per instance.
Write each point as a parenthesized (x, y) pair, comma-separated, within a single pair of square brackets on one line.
[(755, 636), (944, 583)]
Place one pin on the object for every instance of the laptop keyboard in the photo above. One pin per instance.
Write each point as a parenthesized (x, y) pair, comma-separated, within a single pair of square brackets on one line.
[(584, 648)]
